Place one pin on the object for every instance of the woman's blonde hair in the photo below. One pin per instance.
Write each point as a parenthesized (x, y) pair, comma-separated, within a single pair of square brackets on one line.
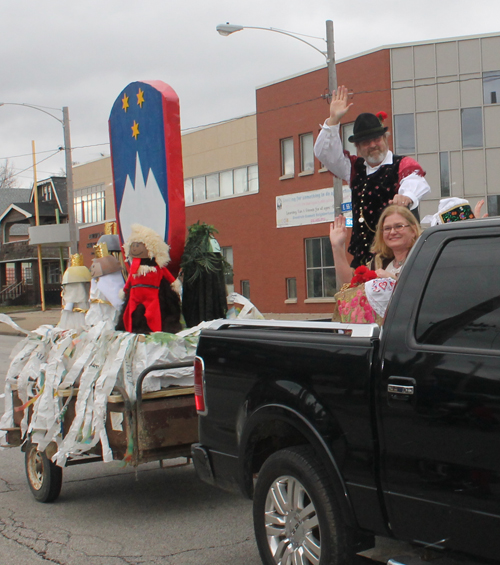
[(379, 246)]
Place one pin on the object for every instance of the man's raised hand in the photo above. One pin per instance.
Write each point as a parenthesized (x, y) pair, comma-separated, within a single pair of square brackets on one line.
[(339, 105)]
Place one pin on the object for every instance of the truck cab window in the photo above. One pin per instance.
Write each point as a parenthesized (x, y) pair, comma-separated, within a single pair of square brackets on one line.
[(461, 304)]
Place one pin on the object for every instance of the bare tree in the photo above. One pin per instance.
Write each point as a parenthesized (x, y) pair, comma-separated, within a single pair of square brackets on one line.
[(7, 175)]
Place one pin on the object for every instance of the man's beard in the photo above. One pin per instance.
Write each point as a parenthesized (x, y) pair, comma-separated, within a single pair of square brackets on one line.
[(376, 160)]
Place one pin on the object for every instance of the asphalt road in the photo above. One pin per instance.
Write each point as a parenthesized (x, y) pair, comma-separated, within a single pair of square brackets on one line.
[(111, 515)]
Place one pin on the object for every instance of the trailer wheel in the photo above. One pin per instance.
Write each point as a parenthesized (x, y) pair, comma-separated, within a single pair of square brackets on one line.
[(44, 477), (296, 516)]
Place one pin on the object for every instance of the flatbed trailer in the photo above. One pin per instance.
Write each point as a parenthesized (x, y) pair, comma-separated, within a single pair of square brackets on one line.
[(156, 426)]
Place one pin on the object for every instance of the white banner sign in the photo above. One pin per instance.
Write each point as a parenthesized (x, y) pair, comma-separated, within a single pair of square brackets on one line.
[(314, 207), (305, 208)]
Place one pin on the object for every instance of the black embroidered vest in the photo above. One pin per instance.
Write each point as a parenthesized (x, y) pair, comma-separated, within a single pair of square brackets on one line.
[(370, 195)]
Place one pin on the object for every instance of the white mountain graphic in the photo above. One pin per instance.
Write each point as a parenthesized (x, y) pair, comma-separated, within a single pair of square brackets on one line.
[(142, 203)]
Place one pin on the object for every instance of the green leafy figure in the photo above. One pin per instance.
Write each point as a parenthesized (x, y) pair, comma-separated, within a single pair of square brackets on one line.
[(203, 270)]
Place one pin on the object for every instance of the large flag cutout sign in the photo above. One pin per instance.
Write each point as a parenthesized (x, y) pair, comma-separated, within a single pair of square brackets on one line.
[(146, 154)]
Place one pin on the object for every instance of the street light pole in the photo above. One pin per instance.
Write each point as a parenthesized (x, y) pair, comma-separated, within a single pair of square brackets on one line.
[(329, 54), (332, 85)]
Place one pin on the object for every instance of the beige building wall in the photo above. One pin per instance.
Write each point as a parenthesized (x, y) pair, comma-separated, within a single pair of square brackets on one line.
[(435, 81), (93, 174), (220, 147)]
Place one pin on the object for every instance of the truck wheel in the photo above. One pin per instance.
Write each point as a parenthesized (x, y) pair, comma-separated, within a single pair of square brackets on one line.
[(296, 517), (44, 477)]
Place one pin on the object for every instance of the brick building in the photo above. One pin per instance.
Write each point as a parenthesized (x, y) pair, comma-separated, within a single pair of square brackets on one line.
[(249, 175)]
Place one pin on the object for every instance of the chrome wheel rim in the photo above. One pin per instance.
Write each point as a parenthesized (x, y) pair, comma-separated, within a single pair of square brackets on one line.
[(292, 525), (35, 469)]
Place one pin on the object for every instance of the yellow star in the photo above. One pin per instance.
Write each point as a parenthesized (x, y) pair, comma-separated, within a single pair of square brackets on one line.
[(135, 130), (140, 98), (125, 103)]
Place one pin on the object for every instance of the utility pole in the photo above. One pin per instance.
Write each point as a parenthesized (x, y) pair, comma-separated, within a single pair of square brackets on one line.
[(69, 183), (332, 85)]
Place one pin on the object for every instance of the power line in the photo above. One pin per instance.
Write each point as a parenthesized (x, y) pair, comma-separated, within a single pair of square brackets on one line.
[(323, 96), (28, 154), (38, 162)]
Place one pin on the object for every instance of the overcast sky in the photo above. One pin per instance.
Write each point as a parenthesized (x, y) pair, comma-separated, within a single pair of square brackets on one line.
[(57, 53)]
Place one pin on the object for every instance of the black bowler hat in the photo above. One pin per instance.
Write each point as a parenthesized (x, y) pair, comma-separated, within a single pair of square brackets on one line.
[(367, 126)]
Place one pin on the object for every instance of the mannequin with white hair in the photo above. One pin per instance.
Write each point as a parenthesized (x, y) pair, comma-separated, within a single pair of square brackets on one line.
[(151, 305)]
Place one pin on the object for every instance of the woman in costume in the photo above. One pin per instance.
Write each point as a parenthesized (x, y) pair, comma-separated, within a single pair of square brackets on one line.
[(397, 232), (366, 291)]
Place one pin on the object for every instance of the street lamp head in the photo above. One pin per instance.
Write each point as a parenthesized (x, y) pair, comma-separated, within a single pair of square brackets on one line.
[(227, 29)]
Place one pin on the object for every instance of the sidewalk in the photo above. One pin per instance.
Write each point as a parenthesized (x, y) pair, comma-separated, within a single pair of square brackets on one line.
[(30, 320)]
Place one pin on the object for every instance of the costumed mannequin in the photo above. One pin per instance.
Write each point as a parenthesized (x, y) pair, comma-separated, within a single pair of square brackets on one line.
[(377, 177), (204, 295), (107, 282), (151, 305), (75, 294), (112, 240)]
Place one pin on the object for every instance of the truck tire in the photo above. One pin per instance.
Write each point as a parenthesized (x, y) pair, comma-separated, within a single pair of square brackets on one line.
[(44, 477), (296, 517)]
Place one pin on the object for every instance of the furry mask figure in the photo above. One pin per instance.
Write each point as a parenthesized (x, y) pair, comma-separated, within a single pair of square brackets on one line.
[(151, 305)]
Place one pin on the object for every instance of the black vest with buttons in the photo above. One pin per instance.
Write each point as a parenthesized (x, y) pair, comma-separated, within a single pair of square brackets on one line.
[(370, 195)]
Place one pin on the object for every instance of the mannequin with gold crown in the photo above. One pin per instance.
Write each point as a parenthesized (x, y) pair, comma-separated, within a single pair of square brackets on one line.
[(105, 286), (75, 294)]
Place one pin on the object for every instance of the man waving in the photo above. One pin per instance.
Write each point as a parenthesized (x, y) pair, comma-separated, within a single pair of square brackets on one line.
[(376, 176)]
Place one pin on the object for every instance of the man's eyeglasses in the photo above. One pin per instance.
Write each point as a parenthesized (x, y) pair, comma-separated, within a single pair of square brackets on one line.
[(395, 227)]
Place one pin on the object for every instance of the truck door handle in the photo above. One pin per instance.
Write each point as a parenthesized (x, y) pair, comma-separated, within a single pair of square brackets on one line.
[(401, 388)]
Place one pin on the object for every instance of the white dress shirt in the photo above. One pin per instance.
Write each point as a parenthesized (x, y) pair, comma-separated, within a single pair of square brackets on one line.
[(329, 151)]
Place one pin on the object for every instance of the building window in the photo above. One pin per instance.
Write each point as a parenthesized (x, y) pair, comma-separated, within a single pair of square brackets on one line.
[(320, 270), (240, 179), (212, 184), (472, 127), (226, 183), (28, 273), (10, 274), (46, 192), (306, 153), (52, 273), (188, 191), (245, 289), (493, 202), (404, 130), (491, 87), (227, 253), (444, 171), (221, 184), (253, 178), (347, 131), (291, 288), (199, 189), (287, 159), (90, 205)]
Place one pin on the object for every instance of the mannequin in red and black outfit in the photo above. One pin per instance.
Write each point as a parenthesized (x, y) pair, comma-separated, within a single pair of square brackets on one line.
[(151, 305)]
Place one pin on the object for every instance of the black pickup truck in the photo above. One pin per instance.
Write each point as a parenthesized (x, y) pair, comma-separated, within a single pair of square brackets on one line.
[(341, 433)]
